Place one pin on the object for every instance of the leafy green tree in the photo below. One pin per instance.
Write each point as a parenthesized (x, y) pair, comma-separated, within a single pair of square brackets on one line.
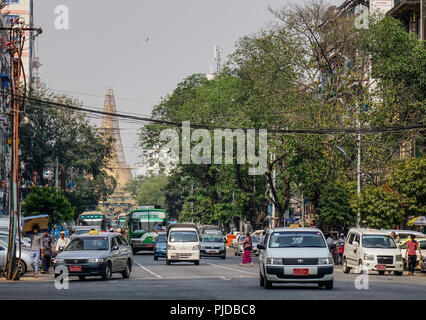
[(52, 136), (47, 200), (133, 186), (152, 192), (334, 205), (409, 180), (380, 206)]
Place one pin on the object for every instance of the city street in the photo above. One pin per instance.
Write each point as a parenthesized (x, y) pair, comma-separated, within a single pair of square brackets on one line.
[(213, 279)]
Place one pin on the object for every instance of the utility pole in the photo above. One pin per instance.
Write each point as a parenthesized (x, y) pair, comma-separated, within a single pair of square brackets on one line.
[(358, 168), (15, 46)]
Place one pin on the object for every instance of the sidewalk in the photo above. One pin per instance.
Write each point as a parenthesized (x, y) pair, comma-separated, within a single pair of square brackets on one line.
[(29, 277)]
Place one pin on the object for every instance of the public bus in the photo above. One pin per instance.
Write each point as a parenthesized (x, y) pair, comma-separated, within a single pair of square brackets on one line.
[(143, 224), (122, 217), (95, 219)]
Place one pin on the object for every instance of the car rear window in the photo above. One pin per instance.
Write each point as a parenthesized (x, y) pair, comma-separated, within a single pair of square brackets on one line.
[(296, 240)]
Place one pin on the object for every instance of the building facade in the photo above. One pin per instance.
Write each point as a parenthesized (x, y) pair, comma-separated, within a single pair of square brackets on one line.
[(23, 9)]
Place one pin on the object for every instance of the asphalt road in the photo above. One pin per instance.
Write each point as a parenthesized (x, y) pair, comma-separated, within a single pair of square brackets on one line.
[(213, 279)]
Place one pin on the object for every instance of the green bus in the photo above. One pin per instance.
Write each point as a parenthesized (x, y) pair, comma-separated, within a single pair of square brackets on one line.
[(143, 224), (94, 219)]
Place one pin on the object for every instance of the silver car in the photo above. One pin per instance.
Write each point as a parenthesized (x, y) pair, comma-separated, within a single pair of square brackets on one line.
[(98, 254), (25, 264), (295, 255)]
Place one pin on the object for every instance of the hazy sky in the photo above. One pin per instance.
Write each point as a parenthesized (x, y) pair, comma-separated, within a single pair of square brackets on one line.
[(106, 46)]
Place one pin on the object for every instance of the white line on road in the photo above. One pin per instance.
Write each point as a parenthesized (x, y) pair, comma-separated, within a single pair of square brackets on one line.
[(146, 269), (216, 265)]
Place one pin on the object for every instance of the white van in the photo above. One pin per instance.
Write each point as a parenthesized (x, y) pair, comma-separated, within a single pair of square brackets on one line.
[(183, 243), (371, 250)]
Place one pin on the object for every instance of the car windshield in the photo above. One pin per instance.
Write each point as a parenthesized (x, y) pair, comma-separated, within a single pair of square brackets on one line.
[(212, 239), (161, 237), (183, 236), (378, 241), (254, 240), (297, 240), (92, 243)]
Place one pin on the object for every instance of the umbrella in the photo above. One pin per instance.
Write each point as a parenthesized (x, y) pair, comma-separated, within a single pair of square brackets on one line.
[(417, 221)]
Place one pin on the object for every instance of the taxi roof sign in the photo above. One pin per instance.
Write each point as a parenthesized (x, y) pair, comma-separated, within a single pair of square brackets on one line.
[(93, 231), (294, 226)]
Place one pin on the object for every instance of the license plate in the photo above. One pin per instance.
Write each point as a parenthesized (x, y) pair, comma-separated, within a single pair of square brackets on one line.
[(75, 268), (381, 266), (301, 272), (213, 251)]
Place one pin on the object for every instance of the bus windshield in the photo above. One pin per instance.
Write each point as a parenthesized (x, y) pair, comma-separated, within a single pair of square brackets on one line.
[(147, 221)]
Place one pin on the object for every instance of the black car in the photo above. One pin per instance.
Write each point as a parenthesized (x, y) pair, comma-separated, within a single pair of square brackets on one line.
[(99, 254)]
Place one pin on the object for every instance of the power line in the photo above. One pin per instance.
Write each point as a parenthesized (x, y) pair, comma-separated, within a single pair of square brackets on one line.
[(209, 127)]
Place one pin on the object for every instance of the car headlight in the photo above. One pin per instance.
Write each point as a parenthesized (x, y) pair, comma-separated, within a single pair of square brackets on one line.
[(328, 260), (96, 260), (368, 256), (196, 248), (58, 261), (398, 257), (170, 247), (276, 261)]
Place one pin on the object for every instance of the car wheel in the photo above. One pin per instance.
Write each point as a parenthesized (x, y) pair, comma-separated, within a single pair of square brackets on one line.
[(22, 268), (167, 261), (82, 277), (328, 285), (381, 273), (261, 280), (223, 257), (346, 269), (197, 262), (268, 284), (155, 258), (126, 271), (399, 273), (108, 272)]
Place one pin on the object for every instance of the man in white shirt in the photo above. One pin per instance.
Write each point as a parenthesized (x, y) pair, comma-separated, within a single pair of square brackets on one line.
[(62, 242)]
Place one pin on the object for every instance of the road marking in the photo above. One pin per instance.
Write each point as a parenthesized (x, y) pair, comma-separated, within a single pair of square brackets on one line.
[(196, 277), (216, 265), (153, 273)]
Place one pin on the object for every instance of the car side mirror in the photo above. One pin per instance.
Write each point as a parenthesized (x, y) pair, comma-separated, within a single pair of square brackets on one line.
[(114, 248), (261, 246)]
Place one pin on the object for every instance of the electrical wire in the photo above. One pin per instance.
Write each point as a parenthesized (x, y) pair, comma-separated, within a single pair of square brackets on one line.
[(138, 119)]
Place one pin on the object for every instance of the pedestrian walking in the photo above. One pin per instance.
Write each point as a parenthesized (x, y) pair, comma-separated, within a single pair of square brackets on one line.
[(247, 246), (62, 242), (412, 247), (47, 249), (35, 248)]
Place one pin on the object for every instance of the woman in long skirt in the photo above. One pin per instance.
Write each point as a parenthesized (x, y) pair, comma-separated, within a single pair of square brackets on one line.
[(247, 246)]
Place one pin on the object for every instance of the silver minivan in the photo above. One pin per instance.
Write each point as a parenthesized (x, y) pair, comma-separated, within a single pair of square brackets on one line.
[(295, 255)]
